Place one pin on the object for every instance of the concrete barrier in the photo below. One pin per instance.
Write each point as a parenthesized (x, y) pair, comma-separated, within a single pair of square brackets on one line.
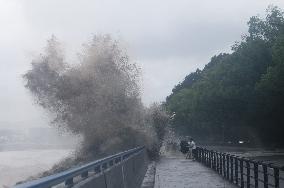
[(128, 169), (139, 166), (95, 181), (114, 177), (128, 174)]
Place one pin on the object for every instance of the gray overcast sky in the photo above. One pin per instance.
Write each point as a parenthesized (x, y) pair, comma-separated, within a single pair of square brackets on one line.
[(167, 38)]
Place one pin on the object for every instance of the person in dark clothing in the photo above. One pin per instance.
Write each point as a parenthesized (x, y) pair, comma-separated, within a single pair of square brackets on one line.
[(184, 147)]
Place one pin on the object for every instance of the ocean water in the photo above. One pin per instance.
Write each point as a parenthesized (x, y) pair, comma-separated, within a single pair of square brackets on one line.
[(16, 166)]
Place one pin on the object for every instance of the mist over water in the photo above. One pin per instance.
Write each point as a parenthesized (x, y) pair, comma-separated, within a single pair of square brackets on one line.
[(29, 151), (19, 165)]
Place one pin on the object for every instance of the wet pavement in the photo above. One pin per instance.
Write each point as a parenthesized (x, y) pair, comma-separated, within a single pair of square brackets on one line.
[(177, 172)]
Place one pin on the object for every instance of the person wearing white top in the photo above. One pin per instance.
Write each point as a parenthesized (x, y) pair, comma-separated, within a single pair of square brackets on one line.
[(192, 148)]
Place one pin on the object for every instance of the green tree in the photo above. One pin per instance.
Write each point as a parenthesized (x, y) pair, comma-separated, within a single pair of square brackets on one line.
[(229, 98)]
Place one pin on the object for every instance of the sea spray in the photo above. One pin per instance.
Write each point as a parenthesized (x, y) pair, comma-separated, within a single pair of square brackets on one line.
[(97, 98)]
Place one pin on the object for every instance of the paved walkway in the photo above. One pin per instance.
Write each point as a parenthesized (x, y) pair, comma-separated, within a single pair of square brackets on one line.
[(177, 172)]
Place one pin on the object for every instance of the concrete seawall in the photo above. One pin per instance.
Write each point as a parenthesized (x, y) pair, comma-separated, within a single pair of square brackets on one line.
[(128, 174)]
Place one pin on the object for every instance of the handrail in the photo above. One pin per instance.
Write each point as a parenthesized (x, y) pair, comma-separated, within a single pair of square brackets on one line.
[(235, 168), (68, 175)]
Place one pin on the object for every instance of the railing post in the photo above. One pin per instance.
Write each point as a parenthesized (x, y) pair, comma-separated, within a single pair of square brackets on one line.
[(221, 164), (242, 172), (110, 163), (211, 159), (214, 156), (228, 166), (265, 176), (197, 154), (236, 171), (207, 158), (69, 182), (118, 160), (104, 166), (214, 160), (224, 164), (218, 165), (98, 169), (203, 156), (248, 174), (232, 169), (217, 162), (255, 170), (85, 174), (276, 177), (201, 153)]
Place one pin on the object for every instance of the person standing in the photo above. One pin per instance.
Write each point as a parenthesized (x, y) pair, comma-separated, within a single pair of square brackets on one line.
[(184, 146), (192, 149)]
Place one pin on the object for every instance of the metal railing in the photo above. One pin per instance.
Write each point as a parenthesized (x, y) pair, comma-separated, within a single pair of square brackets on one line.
[(242, 171), (81, 172)]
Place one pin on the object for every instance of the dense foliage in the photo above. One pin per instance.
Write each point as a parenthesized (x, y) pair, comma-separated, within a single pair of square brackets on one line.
[(237, 96)]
